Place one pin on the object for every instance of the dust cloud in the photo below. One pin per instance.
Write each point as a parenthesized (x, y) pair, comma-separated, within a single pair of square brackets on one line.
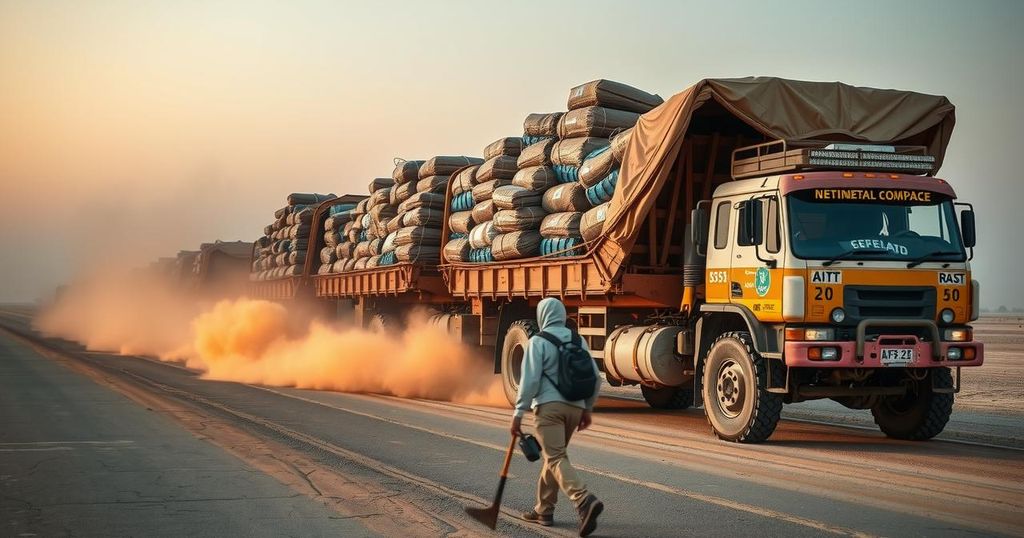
[(262, 342)]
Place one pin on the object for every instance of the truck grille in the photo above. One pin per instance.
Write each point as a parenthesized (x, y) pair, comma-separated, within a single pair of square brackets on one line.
[(862, 302)]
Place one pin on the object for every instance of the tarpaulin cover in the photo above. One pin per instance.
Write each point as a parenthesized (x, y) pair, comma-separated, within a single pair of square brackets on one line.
[(779, 109)]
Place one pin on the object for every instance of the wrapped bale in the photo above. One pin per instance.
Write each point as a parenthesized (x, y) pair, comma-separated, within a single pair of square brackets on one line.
[(430, 255), (379, 217), (619, 143), (403, 192), (434, 184), (304, 216), (380, 183), (517, 220), (511, 146), (375, 246), (325, 269), (482, 235), (446, 165), (565, 198), (360, 264), (353, 235), (292, 270), (481, 255), (297, 257), (595, 121), (514, 197), (328, 255), (603, 190), (484, 211), (394, 224), (457, 250), (406, 171), (485, 190), (389, 243), (379, 197), (417, 235), (573, 151), (332, 239), (345, 251), (301, 198), (536, 178), (463, 181), (463, 202), (561, 224), (516, 245), (500, 167), (299, 231), (364, 249), (538, 154), (426, 199), (592, 223), (541, 125), (461, 222), (388, 258), (561, 246), (433, 218), (339, 266), (597, 166), (335, 223), (611, 94), (374, 261)]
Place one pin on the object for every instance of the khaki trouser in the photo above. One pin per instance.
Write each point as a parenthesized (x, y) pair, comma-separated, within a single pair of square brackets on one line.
[(556, 422)]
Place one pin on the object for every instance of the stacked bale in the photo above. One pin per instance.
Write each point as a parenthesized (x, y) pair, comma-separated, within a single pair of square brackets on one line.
[(281, 251), (592, 137), (335, 239), (495, 173)]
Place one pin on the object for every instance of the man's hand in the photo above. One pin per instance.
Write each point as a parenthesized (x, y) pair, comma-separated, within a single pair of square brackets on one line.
[(585, 421), (517, 426)]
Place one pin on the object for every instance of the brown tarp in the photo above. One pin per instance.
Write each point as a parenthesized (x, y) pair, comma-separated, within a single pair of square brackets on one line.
[(778, 109)]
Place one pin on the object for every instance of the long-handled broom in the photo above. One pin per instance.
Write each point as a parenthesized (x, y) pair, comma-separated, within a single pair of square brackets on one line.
[(489, 516)]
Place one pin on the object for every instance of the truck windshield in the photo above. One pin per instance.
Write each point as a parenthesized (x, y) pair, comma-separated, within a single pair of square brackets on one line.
[(874, 224)]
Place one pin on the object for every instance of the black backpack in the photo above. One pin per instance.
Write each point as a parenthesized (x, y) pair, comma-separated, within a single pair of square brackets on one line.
[(576, 377)]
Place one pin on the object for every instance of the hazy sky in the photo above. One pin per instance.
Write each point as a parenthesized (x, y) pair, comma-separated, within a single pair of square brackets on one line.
[(130, 130)]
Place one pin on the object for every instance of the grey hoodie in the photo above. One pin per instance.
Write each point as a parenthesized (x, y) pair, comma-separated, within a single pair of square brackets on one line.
[(542, 356)]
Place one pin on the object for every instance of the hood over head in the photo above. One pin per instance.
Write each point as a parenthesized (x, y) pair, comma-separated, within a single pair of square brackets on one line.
[(550, 313)]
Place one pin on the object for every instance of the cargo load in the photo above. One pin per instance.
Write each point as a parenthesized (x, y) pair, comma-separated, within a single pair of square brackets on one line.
[(611, 94), (283, 249)]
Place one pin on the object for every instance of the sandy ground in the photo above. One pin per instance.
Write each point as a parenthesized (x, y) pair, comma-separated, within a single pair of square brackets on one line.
[(998, 385)]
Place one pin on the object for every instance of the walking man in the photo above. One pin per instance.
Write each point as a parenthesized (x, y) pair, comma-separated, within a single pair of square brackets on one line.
[(543, 388)]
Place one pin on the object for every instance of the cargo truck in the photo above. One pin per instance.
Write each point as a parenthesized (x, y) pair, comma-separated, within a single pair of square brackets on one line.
[(769, 242)]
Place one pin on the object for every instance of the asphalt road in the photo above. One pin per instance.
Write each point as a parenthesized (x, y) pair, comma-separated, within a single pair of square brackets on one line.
[(251, 460)]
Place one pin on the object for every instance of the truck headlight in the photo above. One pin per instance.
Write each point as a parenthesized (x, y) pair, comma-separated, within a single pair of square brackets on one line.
[(838, 315), (958, 335), (947, 315)]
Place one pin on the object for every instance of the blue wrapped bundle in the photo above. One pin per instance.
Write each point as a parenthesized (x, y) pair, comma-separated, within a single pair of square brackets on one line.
[(340, 208), (530, 139), (463, 202), (457, 236), (364, 235), (387, 258), (566, 174), (481, 255), (561, 246), (603, 191)]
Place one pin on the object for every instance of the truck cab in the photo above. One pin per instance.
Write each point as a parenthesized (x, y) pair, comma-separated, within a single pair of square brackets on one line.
[(846, 276)]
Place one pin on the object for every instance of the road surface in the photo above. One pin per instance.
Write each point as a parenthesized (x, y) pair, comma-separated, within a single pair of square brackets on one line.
[(100, 444)]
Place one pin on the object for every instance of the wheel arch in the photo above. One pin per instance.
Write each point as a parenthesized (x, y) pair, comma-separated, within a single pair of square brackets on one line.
[(718, 319)]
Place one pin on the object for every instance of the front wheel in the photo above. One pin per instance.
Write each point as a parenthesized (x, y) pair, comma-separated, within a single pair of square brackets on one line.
[(736, 398), (921, 413), (512, 353)]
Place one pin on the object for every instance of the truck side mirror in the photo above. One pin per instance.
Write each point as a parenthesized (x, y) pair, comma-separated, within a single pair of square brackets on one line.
[(700, 223), (967, 229), (751, 223)]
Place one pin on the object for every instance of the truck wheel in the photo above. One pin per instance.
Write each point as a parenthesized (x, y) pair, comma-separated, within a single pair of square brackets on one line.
[(668, 397), (736, 398), (920, 414), (512, 353), (383, 323)]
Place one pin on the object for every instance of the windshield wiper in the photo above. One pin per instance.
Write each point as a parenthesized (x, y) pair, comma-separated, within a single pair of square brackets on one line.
[(849, 253), (922, 259)]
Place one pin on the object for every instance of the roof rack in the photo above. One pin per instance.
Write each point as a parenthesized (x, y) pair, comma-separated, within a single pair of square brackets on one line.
[(780, 156)]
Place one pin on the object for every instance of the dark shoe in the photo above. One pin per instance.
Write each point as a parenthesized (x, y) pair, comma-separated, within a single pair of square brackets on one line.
[(588, 510), (540, 519)]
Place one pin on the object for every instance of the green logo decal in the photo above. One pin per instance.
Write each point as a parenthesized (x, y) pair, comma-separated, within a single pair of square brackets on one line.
[(762, 281)]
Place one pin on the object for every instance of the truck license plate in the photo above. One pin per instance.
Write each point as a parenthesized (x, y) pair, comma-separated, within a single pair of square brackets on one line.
[(897, 356)]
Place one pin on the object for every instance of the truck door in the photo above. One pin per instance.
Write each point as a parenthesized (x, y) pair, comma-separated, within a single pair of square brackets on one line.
[(720, 244), (754, 283)]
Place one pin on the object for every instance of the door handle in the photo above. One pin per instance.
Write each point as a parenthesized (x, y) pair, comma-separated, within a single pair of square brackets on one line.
[(736, 289)]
